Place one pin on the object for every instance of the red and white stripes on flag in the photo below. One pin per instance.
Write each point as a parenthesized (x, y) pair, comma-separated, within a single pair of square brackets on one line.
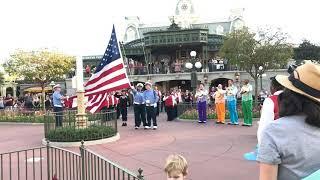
[(110, 75)]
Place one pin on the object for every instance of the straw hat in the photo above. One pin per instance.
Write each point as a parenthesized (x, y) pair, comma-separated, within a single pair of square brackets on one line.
[(139, 85), (304, 80)]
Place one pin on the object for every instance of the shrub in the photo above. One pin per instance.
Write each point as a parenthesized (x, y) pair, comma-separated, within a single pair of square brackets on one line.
[(22, 118), (71, 134), (192, 114)]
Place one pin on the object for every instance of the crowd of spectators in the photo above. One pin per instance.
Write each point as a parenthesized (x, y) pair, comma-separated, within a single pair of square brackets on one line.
[(28, 102)]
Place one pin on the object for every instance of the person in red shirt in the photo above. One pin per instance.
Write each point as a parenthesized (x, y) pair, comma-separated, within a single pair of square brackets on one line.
[(9, 102), (269, 113), (88, 70), (170, 104)]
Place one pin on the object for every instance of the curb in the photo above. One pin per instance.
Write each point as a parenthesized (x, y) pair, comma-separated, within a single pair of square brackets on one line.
[(87, 143), (191, 120), (195, 120), (20, 123)]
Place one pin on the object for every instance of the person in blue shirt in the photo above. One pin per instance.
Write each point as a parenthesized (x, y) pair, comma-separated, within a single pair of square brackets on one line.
[(151, 99), (57, 104), (139, 106)]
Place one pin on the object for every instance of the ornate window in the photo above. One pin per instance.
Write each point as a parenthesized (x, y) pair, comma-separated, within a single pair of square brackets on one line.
[(219, 30)]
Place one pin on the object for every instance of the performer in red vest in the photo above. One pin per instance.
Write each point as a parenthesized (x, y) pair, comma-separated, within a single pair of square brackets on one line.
[(269, 113), (270, 108), (170, 104)]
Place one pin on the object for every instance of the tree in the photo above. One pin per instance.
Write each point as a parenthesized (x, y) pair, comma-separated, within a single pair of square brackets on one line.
[(1, 78), (307, 51), (40, 66), (249, 51)]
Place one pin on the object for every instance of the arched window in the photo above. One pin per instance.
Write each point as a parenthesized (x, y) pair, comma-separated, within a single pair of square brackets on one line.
[(131, 34), (219, 30)]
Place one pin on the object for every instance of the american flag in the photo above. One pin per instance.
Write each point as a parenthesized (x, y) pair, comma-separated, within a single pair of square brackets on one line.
[(110, 75)]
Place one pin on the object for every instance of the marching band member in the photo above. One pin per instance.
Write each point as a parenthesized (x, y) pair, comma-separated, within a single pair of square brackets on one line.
[(151, 104), (139, 106), (246, 92), (232, 102), (159, 101), (220, 104), (170, 103), (122, 106), (201, 96)]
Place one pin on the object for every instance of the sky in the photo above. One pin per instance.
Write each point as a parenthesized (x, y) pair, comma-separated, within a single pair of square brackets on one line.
[(83, 27)]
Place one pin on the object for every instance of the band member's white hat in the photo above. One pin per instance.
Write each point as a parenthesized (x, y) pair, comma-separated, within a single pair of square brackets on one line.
[(148, 83), (56, 86), (139, 85)]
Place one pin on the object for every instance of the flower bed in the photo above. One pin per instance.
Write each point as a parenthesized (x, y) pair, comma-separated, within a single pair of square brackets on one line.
[(192, 114)]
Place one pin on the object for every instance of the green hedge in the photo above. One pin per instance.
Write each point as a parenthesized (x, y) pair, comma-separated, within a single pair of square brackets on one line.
[(193, 114), (21, 118), (70, 134), (68, 117)]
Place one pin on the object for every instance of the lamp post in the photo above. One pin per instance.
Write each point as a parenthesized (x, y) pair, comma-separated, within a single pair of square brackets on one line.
[(237, 76), (193, 65), (261, 74), (52, 83)]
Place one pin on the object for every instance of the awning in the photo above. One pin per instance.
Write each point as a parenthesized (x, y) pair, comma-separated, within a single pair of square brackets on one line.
[(37, 89)]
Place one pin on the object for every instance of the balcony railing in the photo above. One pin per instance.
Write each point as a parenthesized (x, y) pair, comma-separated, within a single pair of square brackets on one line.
[(174, 68)]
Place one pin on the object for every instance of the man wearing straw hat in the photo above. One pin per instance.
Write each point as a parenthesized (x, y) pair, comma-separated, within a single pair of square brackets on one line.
[(57, 104), (290, 146)]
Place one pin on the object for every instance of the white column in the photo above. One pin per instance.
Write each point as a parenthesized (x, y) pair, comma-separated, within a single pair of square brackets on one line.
[(81, 116), (79, 73)]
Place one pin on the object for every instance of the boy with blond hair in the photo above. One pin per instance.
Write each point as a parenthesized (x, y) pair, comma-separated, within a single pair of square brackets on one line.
[(176, 167)]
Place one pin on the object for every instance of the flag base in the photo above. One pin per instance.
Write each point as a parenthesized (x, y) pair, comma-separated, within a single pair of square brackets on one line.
[(81, 120), (80, 102), (81, 117)]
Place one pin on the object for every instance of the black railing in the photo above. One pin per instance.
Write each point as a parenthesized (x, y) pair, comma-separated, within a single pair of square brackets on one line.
[(63, 164), (24, 164), (97, 167), (53, 163), (183, 107)]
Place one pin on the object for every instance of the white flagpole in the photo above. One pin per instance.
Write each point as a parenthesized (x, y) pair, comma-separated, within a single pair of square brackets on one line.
[(81, 115)]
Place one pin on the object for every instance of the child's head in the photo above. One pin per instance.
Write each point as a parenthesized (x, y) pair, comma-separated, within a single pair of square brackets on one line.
[(176, 167)]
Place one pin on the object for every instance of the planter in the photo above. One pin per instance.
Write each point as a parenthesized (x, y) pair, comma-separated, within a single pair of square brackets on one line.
[(88, 143)]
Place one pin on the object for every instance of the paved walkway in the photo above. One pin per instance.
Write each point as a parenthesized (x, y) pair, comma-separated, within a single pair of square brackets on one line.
[(213, 151)]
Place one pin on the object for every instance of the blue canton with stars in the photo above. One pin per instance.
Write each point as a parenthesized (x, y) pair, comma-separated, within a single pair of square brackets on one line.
[(112, 52)]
